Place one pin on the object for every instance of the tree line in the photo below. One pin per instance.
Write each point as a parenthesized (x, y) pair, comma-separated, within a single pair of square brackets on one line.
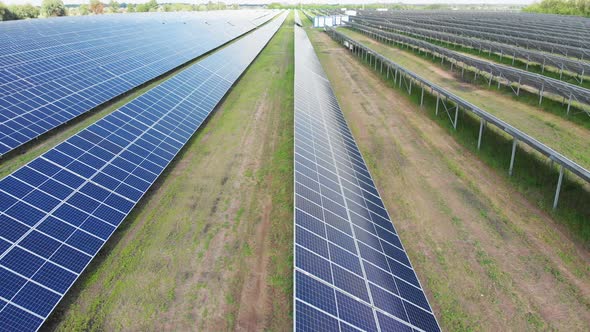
[(48, 8), (562, 7), (52, 8)]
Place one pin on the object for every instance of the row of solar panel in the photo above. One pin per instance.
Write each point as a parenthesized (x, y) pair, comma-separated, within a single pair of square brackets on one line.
[(351, 271), (58, 210), (51, 88), (26, 41)]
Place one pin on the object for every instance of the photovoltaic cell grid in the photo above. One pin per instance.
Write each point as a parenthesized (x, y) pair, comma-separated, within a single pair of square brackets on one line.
[(351, 270), (49, 79), (57, 211)]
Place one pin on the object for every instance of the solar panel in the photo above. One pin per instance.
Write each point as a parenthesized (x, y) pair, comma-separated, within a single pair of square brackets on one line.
[(51, 71), (57, 211), (351, 270)]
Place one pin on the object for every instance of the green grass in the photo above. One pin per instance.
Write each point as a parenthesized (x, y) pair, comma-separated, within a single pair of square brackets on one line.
[(276, 175), (533, 175), (305, 20), (451, 314), (279, 176)]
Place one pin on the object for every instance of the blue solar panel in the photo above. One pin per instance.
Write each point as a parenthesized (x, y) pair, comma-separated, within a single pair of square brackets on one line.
[(351, 270), (49, 234), (54, 70)]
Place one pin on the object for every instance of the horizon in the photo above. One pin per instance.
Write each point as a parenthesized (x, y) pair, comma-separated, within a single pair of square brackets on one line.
[(289, 2)]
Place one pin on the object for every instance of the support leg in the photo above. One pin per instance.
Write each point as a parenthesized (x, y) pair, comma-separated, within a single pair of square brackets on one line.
[(514, 142), (558, 189), (481, 121), (437, 99), (422, 97)]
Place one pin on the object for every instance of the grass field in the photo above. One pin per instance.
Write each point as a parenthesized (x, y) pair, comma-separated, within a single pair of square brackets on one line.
[(210, 247), (568, 138), (305, 20), (488, 257)]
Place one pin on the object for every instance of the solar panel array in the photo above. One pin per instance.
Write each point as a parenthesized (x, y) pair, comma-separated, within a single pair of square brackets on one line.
[(351, 270), (559, 34), (58, 210), (53, 70)]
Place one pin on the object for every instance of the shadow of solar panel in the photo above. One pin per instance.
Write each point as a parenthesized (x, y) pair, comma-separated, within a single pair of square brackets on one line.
[(347, 252), (49, 234)]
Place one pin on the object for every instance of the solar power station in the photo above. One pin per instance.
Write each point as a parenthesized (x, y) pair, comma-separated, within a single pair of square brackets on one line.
[(54, 70), (558, 34), (351, 270), (58, 210)]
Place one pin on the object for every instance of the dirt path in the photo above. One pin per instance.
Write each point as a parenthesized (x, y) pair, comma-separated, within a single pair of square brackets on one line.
[(488, 258), (564, 136), (196, 253)]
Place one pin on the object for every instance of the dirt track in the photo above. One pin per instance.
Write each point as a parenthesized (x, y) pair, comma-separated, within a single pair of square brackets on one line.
[(488, 258)]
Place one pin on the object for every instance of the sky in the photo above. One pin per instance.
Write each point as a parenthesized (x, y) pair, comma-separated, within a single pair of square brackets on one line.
[(38, 2)]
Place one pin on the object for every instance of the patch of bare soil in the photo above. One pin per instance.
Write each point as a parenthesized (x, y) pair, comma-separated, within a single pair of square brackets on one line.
[(253, 312), (487, 257), (217, 271)]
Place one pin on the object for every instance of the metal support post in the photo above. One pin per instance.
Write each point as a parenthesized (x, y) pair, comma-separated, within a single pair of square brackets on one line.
[(512, 157), (456, 117), (569, 104), (558, 189), (561, 71), (437, 99), (481, 122), (422, 97)]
